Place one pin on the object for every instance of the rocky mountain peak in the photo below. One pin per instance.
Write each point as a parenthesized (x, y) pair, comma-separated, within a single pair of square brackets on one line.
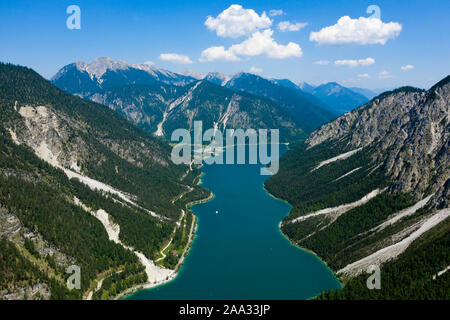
[(217, 78), (86, 78), (99, 66)]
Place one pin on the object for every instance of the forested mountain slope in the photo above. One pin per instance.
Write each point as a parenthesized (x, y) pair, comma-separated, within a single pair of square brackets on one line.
[(372, 188), (144, 105), (80, 185)]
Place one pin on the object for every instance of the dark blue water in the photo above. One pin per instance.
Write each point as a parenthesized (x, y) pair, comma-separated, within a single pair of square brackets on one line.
[(240, 252)]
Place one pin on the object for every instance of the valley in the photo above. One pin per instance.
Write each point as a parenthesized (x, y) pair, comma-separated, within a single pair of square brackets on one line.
[(368, 187), (214, 159)]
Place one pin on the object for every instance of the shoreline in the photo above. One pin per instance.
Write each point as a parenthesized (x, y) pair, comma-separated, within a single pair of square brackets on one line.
[(302, 248), (131, 291), (145, 286)]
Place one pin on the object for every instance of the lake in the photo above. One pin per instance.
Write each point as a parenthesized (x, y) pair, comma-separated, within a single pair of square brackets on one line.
[(239, 252)]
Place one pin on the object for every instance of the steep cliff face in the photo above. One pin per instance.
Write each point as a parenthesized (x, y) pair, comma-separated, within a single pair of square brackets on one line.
[(410, 129), (48, 134)]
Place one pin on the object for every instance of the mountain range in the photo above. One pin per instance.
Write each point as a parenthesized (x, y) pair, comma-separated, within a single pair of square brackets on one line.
[(159, 101), (150, 97), (302, 105)]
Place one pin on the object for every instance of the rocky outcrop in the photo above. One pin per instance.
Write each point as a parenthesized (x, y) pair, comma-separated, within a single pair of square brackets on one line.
[(52, 136), (410, 131)]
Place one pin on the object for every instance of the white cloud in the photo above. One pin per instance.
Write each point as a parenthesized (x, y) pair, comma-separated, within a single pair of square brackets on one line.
[(260, 43), (275, 12), (355, 63), (363, 75), (175, 58), (284, 26), (366, 62), (322, 62), (255, 70), (149, 63), (384, 75), (357, 31), (218, 53), (407, 67), (237, 21)]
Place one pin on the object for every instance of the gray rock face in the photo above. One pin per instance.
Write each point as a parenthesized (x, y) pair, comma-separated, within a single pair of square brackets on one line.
[(39, 291), (410, 129), (12, 229), (59, 140), (52, 135)]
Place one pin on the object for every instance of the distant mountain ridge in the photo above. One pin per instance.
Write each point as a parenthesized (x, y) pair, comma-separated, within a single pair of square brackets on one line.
[(339, 98), (286, 83), (302, 105), (331, 96), (306, 87), (87, 78), (163, 108), (369, 94)]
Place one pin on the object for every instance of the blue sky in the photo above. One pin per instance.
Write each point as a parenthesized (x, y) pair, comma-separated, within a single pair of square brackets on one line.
[(34, 33)]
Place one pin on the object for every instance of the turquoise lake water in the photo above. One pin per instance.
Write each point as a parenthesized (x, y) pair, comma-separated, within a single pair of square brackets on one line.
[(239, 252)]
